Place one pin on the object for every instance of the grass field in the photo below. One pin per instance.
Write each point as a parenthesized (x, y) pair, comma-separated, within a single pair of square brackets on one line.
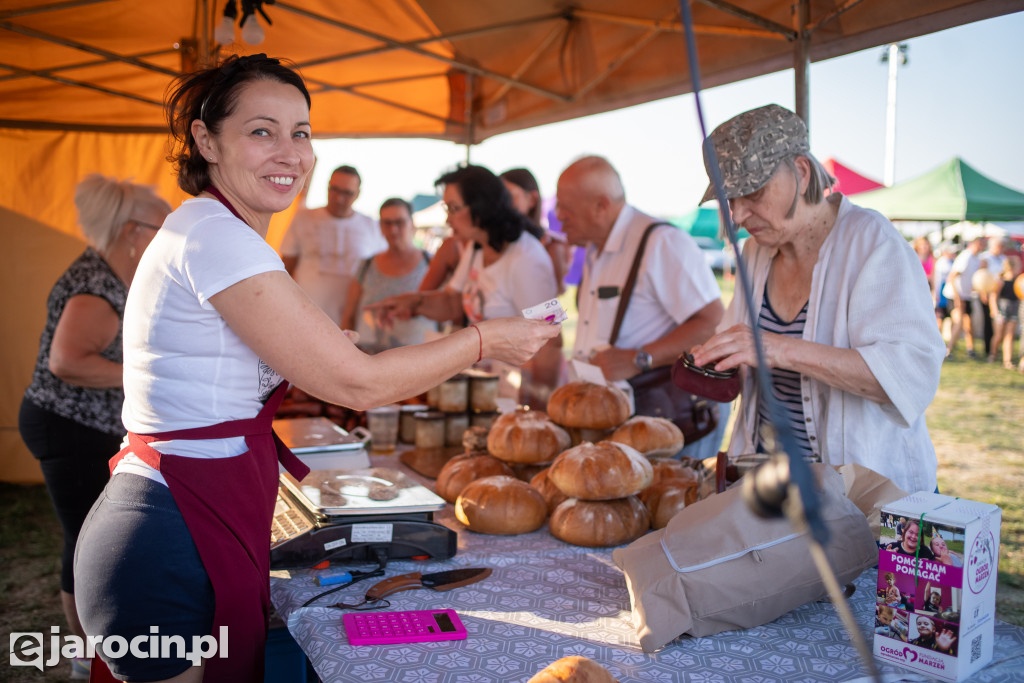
[(976, 422)]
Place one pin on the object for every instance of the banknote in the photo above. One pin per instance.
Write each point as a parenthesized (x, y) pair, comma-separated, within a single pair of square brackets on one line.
[(551, 311)]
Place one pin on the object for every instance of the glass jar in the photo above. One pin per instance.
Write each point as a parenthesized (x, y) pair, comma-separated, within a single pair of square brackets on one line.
[(429, 429), (407, 422), (483, 393), (483, 418), (455, 425), (433, 394), (454, 396)]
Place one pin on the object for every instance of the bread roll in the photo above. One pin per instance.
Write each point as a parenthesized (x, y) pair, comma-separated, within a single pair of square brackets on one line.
[(653, 436), (665, 468), (597, 524), (552, 494), (526, 436), (587, 405), (501, 505), (601, 471), (465, 468), (574, 669), (666, 498)]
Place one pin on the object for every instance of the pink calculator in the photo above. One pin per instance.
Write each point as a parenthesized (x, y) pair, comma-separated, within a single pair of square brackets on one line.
[(384, 628)]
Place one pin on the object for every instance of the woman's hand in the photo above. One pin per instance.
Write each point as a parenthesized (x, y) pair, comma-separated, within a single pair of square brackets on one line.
[(398, 307), (515, 340), (734, 347)]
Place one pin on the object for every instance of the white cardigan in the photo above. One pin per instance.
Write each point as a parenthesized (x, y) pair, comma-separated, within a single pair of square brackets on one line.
[(869, 293)]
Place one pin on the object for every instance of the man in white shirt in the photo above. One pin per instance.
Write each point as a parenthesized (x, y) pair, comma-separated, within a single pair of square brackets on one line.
[(676, 303), (323, 247), (959, 291)]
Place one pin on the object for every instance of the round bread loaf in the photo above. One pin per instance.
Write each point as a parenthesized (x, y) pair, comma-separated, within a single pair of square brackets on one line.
[(588, 405), (601, 471), (666, 498), (552, 494), (526, 436), (598, 524), (666, 468), (653, 436), (501, 505), (465, 468), (574, 669)]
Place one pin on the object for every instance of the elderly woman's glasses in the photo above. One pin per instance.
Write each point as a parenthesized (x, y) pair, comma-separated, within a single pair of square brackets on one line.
[(454, 208)]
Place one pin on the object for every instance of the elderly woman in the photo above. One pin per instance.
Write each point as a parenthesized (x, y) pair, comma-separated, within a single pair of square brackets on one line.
[(214, 331), (400, 268), (842, 306), (70, 416), (503, 269)]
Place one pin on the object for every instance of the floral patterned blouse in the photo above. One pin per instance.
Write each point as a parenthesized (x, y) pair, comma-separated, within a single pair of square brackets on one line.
[(99, 409)]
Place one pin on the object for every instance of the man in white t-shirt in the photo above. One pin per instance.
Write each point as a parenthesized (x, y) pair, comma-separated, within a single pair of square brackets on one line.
[(323, 247), (959, 290), (676, 303)]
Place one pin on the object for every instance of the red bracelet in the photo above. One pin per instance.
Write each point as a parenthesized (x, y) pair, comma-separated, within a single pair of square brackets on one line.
[(479, 334)]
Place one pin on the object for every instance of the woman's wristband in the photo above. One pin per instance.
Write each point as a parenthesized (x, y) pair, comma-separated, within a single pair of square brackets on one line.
[(479, 334)]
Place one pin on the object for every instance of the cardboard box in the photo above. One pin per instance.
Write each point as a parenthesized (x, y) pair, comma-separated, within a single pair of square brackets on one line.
[(935, 607)]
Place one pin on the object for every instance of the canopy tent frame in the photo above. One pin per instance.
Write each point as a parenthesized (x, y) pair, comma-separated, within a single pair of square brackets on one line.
[(200, 50)]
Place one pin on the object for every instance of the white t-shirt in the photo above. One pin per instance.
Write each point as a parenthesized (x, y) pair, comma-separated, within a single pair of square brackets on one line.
[(673, 283), (183, 366), (965, 266), (329, 250), (521, 278)]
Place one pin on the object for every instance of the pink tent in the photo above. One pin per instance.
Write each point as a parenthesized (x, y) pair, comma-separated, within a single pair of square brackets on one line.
[(849, 181)]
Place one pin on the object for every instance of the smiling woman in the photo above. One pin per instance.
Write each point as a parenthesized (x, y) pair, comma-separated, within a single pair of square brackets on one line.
[(212, 329)]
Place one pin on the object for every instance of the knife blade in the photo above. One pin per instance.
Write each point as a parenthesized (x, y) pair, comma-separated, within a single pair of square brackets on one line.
[(438, 581)]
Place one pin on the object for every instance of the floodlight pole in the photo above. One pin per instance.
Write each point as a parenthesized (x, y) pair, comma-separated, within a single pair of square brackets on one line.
[(894, 54)]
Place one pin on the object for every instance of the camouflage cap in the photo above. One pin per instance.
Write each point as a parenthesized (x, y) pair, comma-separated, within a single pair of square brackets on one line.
[(750, 147)]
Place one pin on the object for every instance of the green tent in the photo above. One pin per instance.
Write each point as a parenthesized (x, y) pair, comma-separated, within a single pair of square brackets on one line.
[(703, 222), (951, 192)]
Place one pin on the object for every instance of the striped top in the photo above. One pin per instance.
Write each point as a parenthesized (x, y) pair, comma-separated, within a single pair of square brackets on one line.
[(785, 383)]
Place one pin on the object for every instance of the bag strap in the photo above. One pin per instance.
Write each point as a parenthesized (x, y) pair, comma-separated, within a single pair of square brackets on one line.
[(363, 267), (627, 290)]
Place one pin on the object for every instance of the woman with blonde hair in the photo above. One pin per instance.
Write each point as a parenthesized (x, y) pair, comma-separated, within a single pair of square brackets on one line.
[(70, 416)]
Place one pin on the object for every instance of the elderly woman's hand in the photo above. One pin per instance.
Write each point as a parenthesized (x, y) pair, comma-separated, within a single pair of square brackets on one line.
[(735, 347), (515, 340)]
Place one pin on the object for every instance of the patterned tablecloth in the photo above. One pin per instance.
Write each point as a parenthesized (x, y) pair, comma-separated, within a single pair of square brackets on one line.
[(547, 599)]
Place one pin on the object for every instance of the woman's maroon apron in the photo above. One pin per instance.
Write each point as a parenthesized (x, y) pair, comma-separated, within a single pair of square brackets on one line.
[(228, 505)]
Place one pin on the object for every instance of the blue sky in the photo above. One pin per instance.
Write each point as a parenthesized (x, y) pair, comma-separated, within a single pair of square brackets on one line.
[(961, 94)]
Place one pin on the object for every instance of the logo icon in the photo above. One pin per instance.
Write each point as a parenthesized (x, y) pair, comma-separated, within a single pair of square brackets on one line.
[(27, 649), (982, 559), (909, 654)]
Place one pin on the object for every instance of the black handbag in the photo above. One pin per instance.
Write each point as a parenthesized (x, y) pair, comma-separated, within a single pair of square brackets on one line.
[(654, 392)]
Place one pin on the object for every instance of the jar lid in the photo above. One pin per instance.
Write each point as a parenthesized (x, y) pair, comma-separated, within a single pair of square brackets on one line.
[(429, 415), (414, 407)]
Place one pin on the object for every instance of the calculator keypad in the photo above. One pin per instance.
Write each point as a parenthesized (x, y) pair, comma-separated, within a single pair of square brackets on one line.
[(382, 628)]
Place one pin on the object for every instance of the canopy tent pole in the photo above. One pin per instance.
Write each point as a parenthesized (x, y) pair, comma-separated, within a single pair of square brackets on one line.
[(802, 62)]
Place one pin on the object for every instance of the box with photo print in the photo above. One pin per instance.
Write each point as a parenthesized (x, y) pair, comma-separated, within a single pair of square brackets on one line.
[(935, 605)]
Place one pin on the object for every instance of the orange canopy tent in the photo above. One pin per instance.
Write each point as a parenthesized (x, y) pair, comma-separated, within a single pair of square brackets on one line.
[(81, 85)]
